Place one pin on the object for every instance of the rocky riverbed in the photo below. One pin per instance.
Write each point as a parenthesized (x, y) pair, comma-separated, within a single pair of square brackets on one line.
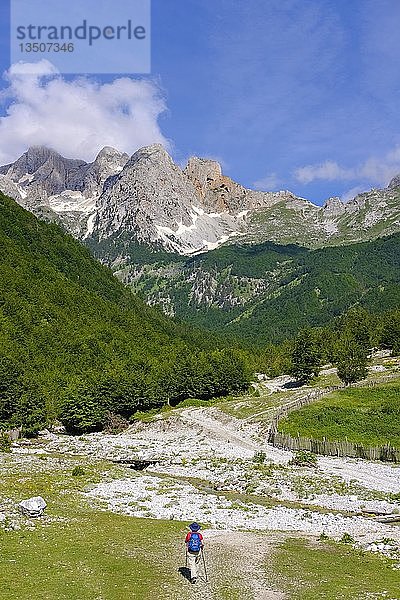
[(212, 467)]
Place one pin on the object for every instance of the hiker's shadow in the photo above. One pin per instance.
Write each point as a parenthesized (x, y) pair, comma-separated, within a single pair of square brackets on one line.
[(185, 572)]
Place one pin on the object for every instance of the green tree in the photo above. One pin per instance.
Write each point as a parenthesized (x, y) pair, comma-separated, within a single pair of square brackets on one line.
[(11, 388), (306, 357), (358, 324), (351, 362), (30, 413), (391, 331), (81, 411)]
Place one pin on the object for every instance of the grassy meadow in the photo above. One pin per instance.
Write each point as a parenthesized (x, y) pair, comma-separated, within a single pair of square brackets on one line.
[(369, 416)]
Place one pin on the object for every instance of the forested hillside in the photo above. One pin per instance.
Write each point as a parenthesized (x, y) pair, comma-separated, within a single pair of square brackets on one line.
[(75, 343), (269, 292)]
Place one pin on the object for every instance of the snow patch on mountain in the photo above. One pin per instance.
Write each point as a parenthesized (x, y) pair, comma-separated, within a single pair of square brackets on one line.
[(72, 201)]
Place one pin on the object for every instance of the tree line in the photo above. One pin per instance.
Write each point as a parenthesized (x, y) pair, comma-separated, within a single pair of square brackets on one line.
[(346, 343)]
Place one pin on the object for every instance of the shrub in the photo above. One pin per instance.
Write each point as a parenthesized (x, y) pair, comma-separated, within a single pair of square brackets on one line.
[(347, 538), (78, 471), (303, 458), (259, 457), (5, 442)]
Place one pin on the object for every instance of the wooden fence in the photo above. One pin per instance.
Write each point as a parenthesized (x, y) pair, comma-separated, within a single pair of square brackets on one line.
[(330, 448), (326, 447)]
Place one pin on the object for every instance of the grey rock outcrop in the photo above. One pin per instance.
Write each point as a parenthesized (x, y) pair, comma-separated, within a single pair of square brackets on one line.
[(8, 187), (154, 200), (220, 193), (395, 182), (58, 188), (117, 201), (334, 207), (42, 172)]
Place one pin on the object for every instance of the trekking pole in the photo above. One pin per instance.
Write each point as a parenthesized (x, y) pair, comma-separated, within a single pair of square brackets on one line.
[(204, 564)]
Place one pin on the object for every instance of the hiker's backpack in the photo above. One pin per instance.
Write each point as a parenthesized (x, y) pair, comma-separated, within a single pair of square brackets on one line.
[(194, 544)]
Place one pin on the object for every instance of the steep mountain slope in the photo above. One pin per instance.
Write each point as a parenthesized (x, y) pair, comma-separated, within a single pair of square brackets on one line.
[(60, 189), (51, 288), (173, 235), (268, 292), (153, 201), (70, 330), (117, 202)]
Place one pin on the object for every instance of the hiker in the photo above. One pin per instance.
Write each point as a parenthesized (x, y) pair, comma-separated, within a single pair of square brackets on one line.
[(194, 545)]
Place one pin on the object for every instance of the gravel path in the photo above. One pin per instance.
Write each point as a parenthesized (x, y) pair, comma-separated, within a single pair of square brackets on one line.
[(235, 563), (241, 558), (223, 428)]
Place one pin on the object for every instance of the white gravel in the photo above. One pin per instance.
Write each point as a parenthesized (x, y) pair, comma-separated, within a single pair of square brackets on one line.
[(209, 445), (374, 476), (153, 497)]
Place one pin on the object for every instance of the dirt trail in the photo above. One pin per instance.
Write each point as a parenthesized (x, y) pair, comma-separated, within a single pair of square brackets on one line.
[(236, 565), (224, 428)]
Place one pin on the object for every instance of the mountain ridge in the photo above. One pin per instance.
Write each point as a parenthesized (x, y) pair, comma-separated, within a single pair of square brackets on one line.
[(159, 227), (149, 199)]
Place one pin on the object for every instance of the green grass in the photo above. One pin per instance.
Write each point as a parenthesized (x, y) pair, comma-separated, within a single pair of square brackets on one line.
[(154, 414), (332, 571), (369, 416), (98, 555), (247, 407), (323, 381), (81, 553)]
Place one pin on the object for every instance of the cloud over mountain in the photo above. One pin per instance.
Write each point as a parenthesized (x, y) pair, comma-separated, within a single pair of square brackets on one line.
[(375, 170), (77, 117)]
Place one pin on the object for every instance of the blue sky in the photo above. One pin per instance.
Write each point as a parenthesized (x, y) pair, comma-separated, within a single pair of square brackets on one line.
[(287, 94)]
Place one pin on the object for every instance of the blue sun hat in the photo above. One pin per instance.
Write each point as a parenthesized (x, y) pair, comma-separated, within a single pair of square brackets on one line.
[(194, 527)]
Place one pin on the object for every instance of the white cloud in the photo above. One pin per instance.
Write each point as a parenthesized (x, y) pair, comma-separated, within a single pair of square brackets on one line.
[(77, 117), (270, 182), (328, 171), (375, 170)]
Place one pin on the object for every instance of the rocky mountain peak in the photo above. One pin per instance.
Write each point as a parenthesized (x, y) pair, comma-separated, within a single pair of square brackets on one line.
[(35, 159), (203, 173), (152, 158), (215, 191), (42, 172), (148, 198), (107, 152), (157, 202), (109, 155), (108, 164), (334, 206), (36, 156), (395, 182)]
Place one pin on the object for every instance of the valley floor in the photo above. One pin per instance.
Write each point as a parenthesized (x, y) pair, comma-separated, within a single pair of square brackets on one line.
[(262, 516)]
